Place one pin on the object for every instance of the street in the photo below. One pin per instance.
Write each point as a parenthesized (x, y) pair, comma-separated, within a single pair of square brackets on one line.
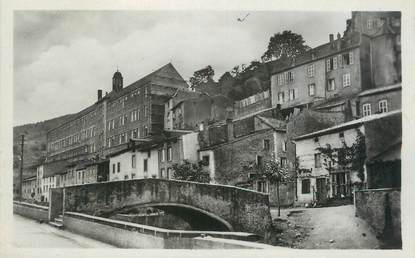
[(31, 234), (325, 228)]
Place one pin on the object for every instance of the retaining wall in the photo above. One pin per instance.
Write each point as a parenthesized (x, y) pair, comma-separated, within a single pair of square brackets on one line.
[(32, 211), (129, 235), (381, 208)]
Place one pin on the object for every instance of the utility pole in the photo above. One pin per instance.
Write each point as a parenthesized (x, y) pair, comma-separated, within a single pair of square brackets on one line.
[(21, 169)]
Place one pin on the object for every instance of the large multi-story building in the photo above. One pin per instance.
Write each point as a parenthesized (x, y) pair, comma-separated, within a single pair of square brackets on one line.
[(136, 111), (330, 77)]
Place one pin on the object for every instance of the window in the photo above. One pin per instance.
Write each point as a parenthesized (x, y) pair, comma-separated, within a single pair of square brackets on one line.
[(292, 94), (334, 63), (162, 175), (266, 144), (369, 24), (283, 161), (280, 97), (284, 146), (259, 160), (280, 79), (367, 109), (310, 70), (317, 160), (346, 80), (331, 85), (311, 89), (169, 173), (133, 161), (205, 160), (328, 65), (163, 155), (145, 164), (383, 106), (305, 186), (290, 76), (348, 58), (169, 154), (145, 111), (118, 167), (113, 168)]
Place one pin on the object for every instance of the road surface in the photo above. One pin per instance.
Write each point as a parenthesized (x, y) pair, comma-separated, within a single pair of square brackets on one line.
[(29, 233), (326, 228)]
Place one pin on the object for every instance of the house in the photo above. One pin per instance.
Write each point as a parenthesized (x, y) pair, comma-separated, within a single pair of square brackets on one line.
[(136, 161), (380, 100), (29, 188), (234, 150), (324, 171), (178, 145), (329, 77)]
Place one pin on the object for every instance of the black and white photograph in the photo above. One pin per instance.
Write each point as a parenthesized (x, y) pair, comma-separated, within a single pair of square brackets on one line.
[(214, 129)]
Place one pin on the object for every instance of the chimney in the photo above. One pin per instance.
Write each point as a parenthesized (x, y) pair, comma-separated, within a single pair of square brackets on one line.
[(338, 41), (99, 94), (331, 37)]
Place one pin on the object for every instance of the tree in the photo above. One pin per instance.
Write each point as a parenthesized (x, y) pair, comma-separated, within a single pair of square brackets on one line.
[(273, 172), (285, 44), (351, 157), (277, 174), (201, 75), (189, 171)]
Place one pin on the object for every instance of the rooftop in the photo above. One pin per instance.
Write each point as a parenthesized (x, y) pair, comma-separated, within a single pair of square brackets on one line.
[(347, 125), (381, 89)]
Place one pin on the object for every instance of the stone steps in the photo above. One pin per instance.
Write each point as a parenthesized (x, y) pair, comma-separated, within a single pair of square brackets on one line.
[(57, 222)]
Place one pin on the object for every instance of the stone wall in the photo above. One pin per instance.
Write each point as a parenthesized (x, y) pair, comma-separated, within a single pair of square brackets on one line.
[(381, 208), (128, 235), (31, 211), (244, 210)]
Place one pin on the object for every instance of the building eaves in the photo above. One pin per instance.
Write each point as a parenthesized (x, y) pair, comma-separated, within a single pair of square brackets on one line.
[(347, 125), (381, 90)]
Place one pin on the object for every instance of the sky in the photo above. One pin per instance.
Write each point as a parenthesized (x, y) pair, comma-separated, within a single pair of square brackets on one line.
[(61, 58)]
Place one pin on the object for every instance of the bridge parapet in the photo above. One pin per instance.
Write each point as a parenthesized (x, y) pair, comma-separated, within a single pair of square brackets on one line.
[(235, 208)]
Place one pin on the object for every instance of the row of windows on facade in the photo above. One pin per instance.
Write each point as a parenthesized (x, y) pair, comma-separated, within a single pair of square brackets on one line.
[(120, 102), (123, 137), (73, 139), (332, 63), (382, 107), (88, 117), (123, 119), (73, 153), (331, 85), (74, 125)]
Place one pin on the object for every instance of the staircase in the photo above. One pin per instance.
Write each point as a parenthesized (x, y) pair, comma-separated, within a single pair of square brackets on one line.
[(57, 222)]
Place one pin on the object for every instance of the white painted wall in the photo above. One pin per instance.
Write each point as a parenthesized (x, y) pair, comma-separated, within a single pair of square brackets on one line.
[(211, 166), (190, 146), (305, 150), (126, 169)]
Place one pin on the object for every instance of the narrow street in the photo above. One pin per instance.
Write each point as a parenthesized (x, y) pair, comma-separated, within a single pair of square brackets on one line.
[(324, 228), (31, 234)]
